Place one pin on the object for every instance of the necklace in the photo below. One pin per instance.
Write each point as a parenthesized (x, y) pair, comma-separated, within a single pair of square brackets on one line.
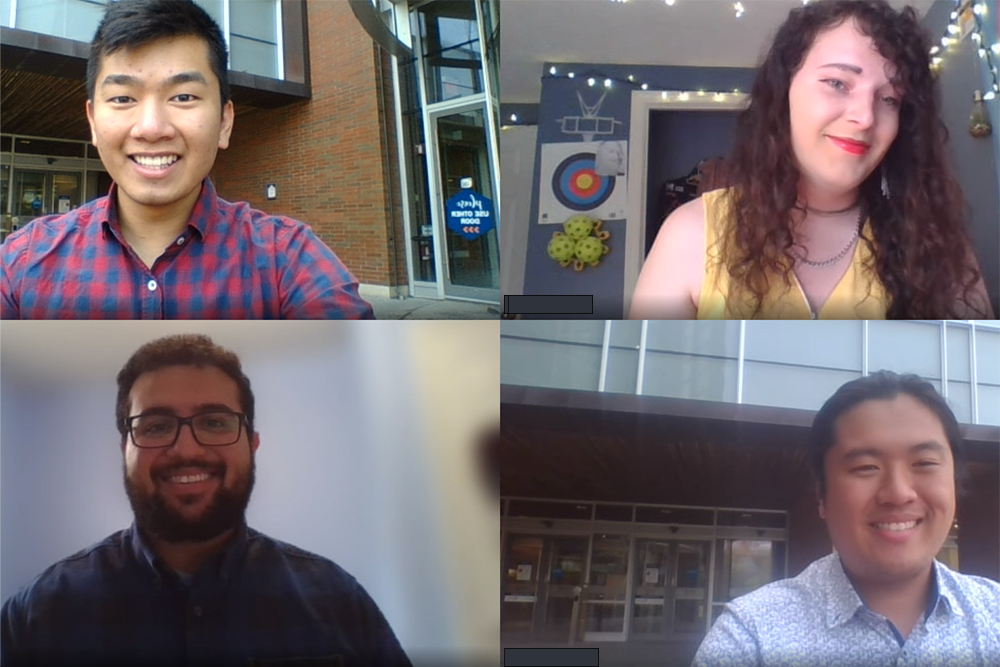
[(840, 255), (816, 211)]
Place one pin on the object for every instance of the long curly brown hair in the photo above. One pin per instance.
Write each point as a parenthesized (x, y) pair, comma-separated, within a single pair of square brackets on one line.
[(921, 250)]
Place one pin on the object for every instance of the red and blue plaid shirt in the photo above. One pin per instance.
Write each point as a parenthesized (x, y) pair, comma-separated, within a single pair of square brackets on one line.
[(230, 262)]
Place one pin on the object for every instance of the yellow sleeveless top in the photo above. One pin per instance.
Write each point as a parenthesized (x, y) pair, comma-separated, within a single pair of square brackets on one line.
[(858, 296)]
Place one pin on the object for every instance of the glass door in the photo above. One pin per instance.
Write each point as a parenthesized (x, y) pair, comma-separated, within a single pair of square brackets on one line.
[(670, 584), (652, 579), (567, 564), (65, 193), (690, 588), (522, 563), (607, 593), (541, 573), (471, 265), (30, 200), (38, 193)]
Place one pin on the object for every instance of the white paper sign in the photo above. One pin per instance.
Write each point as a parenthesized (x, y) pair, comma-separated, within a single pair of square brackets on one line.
[(651, 575), (524, 573)]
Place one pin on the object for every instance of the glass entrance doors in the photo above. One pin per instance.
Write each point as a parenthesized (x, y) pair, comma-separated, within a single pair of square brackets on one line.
[(38, 193), (670, 588), (605, 600), (541, 573), (471, 267)]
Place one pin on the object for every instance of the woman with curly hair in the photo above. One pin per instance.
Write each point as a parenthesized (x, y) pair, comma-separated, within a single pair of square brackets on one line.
[(842, 203)]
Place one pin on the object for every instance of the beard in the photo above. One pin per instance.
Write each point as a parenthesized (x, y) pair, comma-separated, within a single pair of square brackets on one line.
[(155, 515)]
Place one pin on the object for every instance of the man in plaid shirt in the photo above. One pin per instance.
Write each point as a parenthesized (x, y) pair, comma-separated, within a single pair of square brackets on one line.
[(161, 244), (189, 583)]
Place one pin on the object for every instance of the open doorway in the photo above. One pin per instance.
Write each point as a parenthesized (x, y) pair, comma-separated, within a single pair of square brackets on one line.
[(682, 145), (671, 133)]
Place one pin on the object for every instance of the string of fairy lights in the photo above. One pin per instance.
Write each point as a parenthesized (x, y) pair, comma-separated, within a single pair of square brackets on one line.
[(949, 38)]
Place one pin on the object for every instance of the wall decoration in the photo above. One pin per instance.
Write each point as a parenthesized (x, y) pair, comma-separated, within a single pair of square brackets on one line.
[(571, 181), (582, 243), (589, 124)]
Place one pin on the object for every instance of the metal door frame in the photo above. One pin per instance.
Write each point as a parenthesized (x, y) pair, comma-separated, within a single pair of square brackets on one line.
[(613, 636), (670, 597), (434, 164)]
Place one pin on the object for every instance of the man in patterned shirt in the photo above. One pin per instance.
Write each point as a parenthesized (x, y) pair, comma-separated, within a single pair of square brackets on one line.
[(161, 244), (190, 583), (887, 453)]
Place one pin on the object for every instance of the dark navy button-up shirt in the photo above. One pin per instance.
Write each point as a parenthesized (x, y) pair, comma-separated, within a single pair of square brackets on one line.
[(258, 602)]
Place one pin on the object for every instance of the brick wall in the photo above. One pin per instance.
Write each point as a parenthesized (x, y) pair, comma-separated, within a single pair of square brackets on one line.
[(327, 155)]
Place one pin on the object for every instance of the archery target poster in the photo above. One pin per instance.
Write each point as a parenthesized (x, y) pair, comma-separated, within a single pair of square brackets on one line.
[(583, 177)]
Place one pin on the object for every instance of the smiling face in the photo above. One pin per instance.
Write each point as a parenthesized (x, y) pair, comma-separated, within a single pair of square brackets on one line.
[(177, 511), (890, 498), (158, 122), (844, 112)]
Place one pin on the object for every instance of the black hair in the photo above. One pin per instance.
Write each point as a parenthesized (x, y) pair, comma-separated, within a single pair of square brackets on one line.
[(128, 24), (182, 350), (884, 385)]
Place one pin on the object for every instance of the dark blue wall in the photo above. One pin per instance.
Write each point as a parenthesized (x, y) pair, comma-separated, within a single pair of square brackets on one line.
[(559, 98)]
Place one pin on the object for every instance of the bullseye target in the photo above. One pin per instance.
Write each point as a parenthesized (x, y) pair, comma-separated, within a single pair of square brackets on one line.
[(569, 182), (577, 186)]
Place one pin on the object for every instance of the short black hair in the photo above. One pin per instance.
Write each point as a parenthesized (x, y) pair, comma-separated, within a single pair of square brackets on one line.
[(128, 24), (884, 385), (181, 350)]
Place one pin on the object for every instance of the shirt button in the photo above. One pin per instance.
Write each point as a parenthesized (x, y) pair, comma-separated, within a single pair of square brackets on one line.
[(151, 285), (197, 611), (180, 241)]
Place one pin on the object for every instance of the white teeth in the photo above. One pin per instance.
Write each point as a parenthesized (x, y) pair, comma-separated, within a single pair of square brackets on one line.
[(160, 161), (896, 526), (187, 479)]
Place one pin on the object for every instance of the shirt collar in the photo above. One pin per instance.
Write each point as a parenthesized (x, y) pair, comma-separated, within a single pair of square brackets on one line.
[(943, 580), (844, 602), (224, 564), (206, 210)]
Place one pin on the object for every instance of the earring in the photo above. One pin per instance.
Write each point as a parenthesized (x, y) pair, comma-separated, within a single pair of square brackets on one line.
[(885, 186)]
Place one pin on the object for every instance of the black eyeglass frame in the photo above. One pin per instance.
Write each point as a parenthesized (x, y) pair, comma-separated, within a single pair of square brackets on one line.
[(181, 421)]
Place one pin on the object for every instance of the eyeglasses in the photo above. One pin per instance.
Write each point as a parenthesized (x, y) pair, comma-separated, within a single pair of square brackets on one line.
[(212, 429)]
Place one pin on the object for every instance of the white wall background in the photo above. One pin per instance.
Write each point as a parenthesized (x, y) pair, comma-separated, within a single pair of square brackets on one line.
[(367, 456), (517, 172)]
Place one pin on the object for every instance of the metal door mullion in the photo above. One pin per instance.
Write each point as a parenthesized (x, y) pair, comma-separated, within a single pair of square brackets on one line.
[(632, 555), (542, 593), (671, 592)]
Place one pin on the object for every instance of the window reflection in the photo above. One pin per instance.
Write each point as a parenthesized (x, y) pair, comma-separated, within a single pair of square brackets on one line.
[(451, 49), (751, 566)]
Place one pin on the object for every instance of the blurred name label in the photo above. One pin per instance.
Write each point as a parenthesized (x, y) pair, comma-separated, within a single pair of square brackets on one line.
[(550, 657)]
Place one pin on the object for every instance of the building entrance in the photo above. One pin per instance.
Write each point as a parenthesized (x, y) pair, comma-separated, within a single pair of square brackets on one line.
[(542, 572), (671, 589)]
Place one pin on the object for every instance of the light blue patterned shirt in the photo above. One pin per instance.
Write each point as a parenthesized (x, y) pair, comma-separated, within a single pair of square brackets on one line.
[(817, 619)]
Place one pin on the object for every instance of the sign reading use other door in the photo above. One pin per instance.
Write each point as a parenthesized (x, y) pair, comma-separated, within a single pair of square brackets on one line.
[(469, 214)]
